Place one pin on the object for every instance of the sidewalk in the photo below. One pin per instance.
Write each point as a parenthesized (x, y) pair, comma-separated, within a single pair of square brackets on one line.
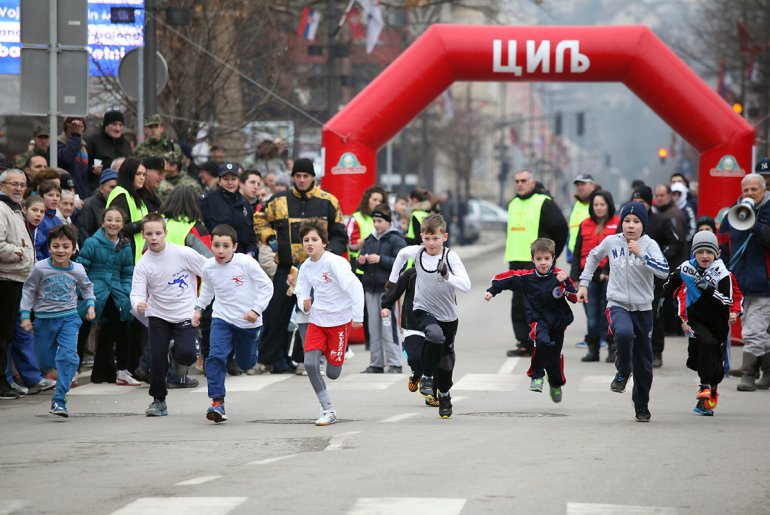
[(489, 244)]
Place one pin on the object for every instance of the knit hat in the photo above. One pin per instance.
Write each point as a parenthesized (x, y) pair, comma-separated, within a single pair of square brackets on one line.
[(112, 117), (634, 208), (382, 212), (303, 165), (705, 240), (644, 193), (108, 175)]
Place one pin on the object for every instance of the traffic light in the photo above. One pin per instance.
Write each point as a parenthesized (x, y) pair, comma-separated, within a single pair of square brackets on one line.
[(662, 154), (738, 107)]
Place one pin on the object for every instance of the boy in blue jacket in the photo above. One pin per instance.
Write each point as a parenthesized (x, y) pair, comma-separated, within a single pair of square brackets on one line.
[(545, 288), (635, 259)]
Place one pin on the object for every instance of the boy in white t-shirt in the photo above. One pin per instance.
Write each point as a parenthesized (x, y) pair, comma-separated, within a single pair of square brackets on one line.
[(236, 282), (338, 298), (164, 289)]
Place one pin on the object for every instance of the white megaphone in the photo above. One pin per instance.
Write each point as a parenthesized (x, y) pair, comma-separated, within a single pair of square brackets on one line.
[(741, 216)]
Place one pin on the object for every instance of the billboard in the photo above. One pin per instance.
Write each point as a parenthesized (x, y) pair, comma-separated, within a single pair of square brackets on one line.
[(107, 42)]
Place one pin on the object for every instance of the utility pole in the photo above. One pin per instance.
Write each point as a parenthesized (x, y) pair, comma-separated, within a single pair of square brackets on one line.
[(332, 93), (150, 67)]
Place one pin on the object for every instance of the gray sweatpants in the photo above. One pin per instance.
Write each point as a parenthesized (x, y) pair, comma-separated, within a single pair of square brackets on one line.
[(384, 351), (754, 325)]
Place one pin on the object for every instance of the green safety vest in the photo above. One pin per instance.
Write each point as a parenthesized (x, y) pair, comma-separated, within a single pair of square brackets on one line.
[(420, 215), (365, 227), (135, 213), (579, 213), (523, 226), (177, 231)]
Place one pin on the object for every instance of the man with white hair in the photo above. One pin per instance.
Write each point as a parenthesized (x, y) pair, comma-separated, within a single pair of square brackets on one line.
[(748, 258), (17, 255)]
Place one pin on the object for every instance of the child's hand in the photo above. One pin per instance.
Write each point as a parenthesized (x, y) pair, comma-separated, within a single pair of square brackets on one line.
[(373, 259), (196, 318), (686, 328), (385, 313), (91, 313), (141, 308), (357, 325), (251, 316), (634, 247), (582, 295), (733, 318), (488, 296), (561, 276), (291, 280), (26, 324), (306, 305), (361, 259), (604, 278)]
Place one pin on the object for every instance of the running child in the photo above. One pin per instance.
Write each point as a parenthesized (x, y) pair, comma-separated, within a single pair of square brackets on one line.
[(439, 273), (241, 291), (164, 290), (414, 339), (51, 293), (635, 259), (709, 302), (337, 298), (545, 289)]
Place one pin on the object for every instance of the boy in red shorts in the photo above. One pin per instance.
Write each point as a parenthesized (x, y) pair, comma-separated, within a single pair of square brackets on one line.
[(337, 298)]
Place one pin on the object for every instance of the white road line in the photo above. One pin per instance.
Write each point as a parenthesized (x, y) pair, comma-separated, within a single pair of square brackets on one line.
[(579, 508), (9, 506), (335, 444), (400, 505), (457, 399), (103, 389), (197, 480), (508, 366), (590, 384), (365, 382), (399, 418), (181, 506), (270, 460), (246, 383), (486, 382)]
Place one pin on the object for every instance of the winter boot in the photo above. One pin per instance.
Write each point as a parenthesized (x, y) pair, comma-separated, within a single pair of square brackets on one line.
[(747, 383), (764, 383), (593, 351), (610, 350)]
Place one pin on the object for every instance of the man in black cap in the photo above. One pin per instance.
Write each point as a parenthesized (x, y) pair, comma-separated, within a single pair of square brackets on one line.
[(763, 169), (660, 229), (225, 205), (277, 225), (106, 145), (585, 185), (41, 146)]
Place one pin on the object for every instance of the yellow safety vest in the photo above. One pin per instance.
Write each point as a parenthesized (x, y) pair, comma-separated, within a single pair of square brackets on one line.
[(579, 213), (523, 226), (420, 215), (365, 228), (135, 213), (177, 231)]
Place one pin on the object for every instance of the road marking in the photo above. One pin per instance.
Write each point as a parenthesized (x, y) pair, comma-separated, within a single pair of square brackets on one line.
[(399, 505), (579, 508), (399, 418), (246, 383), (9, 506), (486, 382), (365, 382), (270, 460), (103, 389), (508, 366), (458, 399), (335, 444), (197, 480), (592, 384), (181, 506)]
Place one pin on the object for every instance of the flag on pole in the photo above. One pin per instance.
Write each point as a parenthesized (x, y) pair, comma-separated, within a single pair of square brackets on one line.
[(375, 22), (356, 25), (308, 25)]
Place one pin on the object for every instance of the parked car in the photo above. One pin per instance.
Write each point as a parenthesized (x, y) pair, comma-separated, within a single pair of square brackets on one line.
[(486, 216)]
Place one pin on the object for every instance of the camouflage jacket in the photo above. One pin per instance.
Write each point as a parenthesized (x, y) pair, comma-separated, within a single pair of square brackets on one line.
[(163, 147), (169, 183)]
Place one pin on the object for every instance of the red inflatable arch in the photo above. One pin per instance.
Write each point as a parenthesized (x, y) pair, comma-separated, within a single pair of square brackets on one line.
[(632, 55)]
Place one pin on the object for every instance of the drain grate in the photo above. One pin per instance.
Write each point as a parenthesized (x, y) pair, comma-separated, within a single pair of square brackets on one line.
[(294, 421), (511, 414), (95, 415)]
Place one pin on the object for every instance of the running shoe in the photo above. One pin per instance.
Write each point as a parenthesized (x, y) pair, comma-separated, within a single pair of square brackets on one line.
[(157, 409), (711, 402), (216, 412), (59, 409), (701, 409), (444, 406), (536, 385), (704, 392), (618, 384), (124, 378), (556, 393), (327, 418), (431, 401), (43, 385), (643, 414), (414, 383), (426, 386)]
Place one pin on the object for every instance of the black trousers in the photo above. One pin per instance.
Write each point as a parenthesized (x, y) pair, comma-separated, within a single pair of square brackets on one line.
[(547, 357), (706, 352), (184, 352), (658, 326), (438, 359), (414, 345), (274, 340), (10, 296), (112, 347)]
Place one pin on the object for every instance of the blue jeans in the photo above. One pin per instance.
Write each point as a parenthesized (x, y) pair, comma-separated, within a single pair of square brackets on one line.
[(224, 338), (56, 343), (21, 351), (596, 316), (631, 330)]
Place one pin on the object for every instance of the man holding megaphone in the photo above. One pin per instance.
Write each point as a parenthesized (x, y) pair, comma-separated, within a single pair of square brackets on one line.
[(747, 229)]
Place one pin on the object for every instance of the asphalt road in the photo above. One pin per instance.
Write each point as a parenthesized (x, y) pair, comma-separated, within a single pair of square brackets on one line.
[(505, 449)]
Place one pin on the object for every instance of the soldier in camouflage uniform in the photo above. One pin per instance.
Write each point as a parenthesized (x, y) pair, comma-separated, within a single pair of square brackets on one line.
[(40, 148), (157, 143), (174, 177)]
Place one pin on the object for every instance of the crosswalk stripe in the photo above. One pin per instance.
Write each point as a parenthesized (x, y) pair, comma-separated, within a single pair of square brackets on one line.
[(181, 506), (103, 389), (9, 506), (336, 442), (486, 382), (248, 383), (365, 382), (270, 460), (197, 480), (599, 383), (399, 505), (508, 366), (399, 418), (577, 508)]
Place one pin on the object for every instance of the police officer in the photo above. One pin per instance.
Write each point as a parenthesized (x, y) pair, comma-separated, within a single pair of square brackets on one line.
[(225, 205), (532, 214)]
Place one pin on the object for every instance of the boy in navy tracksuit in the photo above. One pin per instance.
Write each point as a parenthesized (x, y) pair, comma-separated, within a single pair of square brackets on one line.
[(414, 339), (545, 289), (709, 301), (635, 259)]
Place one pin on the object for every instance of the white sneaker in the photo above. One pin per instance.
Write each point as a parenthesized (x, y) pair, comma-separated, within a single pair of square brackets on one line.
[(124, 378), (349, 353), (328, 417), (300, 369)]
